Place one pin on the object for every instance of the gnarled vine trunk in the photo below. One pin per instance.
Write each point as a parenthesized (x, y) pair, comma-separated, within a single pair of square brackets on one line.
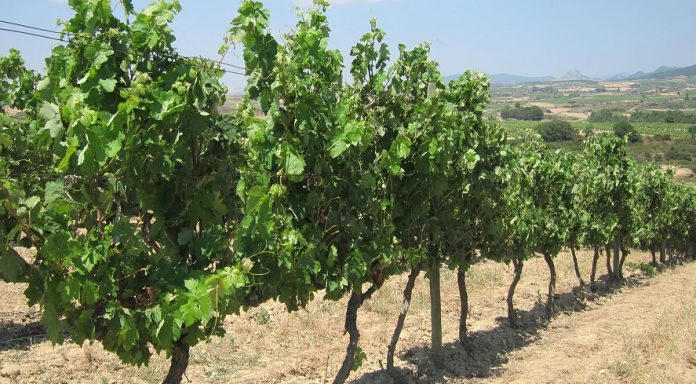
[(576, 266), (178, 364), (518, 264), (595, 259), (351, 327), (357, 298), (552, 284), (463, 305), (408, 291)]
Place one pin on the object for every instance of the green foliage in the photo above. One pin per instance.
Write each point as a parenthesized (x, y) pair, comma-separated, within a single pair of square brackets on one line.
[(514, 128), (22, 163), (314, 192), (130, 209), (554, 197), (606, 115), (360, 358), (538, 208), (670, 117), (651, 206), (624, 129), (677, 153), (388, 145), (517, 235), (588, 131), (532, 113), (17, 83), (692, 131), (603, 191), (648, 269), (556, 130), (262, 317)]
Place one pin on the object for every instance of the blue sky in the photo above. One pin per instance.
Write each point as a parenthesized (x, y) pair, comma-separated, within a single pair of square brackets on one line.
[(530, 37)]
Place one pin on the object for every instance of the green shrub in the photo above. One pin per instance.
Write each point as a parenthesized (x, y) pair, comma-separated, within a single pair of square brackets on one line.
[(692, 131), (532, 113), (648, 269), (557, 130), (623, 128), (606, 115), (675, 153), (671, 116), (262, 317), (588, 131)]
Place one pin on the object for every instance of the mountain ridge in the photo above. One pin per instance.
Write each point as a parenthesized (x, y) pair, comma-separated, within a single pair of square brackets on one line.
[(576, 75)]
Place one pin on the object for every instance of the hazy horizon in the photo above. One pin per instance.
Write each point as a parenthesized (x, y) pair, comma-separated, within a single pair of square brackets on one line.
[(534, 38)]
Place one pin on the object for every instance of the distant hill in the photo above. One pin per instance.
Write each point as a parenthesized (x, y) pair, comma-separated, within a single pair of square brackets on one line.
[(504, 78), (664, 69), (507, 79), (573, 76), (671, 72), (619, 76), (660, 73)]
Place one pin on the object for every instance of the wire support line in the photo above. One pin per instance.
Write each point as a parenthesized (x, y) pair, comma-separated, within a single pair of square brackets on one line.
[(32, 34), (34, 28), (229, 65), (233, 72), (216, 62)]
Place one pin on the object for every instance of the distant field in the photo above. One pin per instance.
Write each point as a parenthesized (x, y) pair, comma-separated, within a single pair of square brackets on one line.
[(514, 128), (678, 151), (590, 95)]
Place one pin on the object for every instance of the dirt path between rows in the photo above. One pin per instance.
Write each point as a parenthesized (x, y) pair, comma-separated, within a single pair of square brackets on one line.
[(644, 334)]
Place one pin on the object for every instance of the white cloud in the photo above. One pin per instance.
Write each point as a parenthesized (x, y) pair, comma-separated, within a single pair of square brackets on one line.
[(59, 1), (305, 3)]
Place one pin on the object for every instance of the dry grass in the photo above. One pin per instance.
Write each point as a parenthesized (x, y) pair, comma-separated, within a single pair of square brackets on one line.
[(663, 354), (642, 334)]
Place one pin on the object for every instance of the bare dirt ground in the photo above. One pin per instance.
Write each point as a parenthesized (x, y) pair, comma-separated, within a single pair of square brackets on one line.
[(643, 331), (624, 86), (562, 111), (643, 336)]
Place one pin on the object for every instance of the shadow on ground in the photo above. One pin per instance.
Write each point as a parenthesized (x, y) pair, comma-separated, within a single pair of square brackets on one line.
[(20, 330), (487, 351)]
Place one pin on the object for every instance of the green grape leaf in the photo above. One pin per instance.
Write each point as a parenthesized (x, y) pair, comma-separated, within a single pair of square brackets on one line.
[(13, 268), (108, 85)]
